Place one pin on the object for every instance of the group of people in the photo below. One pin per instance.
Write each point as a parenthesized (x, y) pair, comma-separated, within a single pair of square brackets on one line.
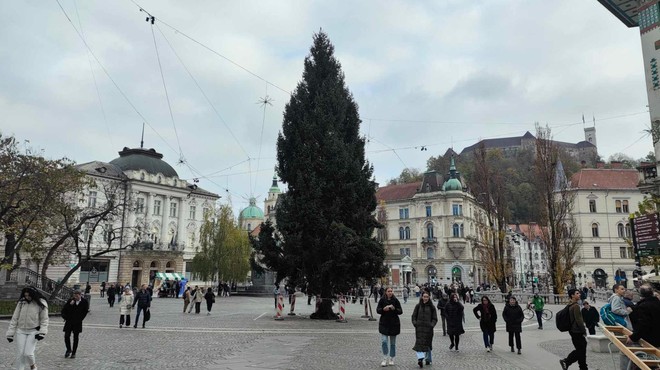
[(195, 297)]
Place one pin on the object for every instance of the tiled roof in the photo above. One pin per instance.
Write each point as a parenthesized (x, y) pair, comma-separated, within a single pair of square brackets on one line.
[(396, 192), (255, 232), (529, 230), (601, 178)]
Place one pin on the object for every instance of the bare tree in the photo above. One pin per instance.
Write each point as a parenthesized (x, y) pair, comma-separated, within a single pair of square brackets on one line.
[(561, 236)]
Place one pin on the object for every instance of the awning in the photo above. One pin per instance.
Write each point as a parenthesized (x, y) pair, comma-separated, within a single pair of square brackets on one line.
[(169, 276)]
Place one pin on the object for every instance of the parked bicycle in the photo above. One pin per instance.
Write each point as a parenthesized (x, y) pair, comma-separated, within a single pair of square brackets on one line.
[(530, 314)]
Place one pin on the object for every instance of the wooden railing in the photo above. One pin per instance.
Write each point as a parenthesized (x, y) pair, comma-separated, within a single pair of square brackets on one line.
[(23, 276), (645, 356)]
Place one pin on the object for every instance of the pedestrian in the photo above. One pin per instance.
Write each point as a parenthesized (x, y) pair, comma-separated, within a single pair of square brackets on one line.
[(198, 298), (125, 308), (577, 332), (590, 316), (538, 304), (143, 301), (193, 292), (102, 289), (389, 326), (118, 291), (618, 305), (424, 318), (88, 296), (111, 295), (361, 294), (455, 318), (210, 300), (442, 302), (487, 315), (276, 292), (73, 313), (177, 287), (513, 317), (416, 290), (645, 318), (28, 324), (186, 299), (405, 295), (592, 295)]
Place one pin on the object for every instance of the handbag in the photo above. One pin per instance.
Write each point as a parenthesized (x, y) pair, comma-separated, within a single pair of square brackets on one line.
[(147, 315)]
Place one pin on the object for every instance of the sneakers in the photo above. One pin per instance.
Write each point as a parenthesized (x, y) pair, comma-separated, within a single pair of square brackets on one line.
[(390, 362), (208, 313), (487, 349), (420, 362), (564, 365), (384, 363), (67, 354)]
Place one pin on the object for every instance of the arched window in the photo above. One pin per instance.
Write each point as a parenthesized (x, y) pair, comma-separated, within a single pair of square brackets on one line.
[(628, 231), (407, 232), (594, 230), (429, 253), (620, 230), (401, 233), (462, 231), (153, 264), (536, 256), (249, 227), (136, 263), (456, 231), (429, 231)]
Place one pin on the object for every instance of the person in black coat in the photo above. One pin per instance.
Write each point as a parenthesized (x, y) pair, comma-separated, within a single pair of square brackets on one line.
[(645, 318), (590, 317), (143, 301), (455, 317), (74, 312), (424, 318), (111, 295), (514, 317), (442, 302), (485, 312), (389, 326)]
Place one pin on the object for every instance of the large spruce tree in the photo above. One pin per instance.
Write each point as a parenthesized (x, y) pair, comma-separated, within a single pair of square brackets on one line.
[(326, 218)]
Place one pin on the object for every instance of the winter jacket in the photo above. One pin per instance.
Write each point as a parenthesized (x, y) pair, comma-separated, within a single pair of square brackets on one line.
[(389, 323), (126, 304), (455, 317), (577, 323), (486, 320), (209, 297), (424, 318), (618, 305), (442, 302), (199, 296), (590, 317), (143, 299), (645, 321), (29, 315), (74, 314), (513, 316)]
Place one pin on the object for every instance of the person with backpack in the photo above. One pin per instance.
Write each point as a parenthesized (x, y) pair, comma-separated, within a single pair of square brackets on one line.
[(513, 316), (570, 319), (487, 316), (590, 316), (618, 305), (28, 325)]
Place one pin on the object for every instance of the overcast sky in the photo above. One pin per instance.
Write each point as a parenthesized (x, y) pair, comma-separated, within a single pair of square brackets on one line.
[(427, 73)]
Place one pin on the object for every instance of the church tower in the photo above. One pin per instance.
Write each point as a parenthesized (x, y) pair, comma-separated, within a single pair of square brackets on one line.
[(270, 202), (590, 135)]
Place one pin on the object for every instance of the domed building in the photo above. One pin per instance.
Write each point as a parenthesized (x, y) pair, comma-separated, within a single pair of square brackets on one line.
[(251, 216), (160, 225)]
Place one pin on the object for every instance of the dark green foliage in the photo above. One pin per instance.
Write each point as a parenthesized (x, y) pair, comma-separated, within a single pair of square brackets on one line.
[(326, 218)]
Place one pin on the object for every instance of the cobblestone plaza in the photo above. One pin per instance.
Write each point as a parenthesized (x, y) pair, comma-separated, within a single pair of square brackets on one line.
[(241, 334)]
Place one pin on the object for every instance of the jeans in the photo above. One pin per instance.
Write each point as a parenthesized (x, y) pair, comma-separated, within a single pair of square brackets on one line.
[(517, 336), (392, 349), (67, 341), (578, 355), (539, 315), (25, 345), (489, 338), (137, 315)]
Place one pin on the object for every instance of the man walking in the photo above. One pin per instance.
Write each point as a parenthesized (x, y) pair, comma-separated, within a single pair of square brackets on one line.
[(143, 301), (538, 303), (74, 312), (577, 332), (590, 316)]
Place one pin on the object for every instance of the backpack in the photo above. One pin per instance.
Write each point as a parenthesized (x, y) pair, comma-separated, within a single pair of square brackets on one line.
[(610, 318), (563, 319)]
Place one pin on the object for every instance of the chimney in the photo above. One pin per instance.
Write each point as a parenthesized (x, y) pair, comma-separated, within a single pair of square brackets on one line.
[(600, 164), (616, 164)]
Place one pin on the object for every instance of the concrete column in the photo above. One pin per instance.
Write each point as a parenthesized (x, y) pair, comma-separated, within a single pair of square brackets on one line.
[(148, 210), (166, 217), (181, 227)]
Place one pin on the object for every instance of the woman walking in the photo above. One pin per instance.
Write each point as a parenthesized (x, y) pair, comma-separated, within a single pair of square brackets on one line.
[(199, 297), (513, 316), (424, 318), (389, 326), (125, 308), (186, 299), (455, 317), (485, 312), (210, 300), (28, 325)]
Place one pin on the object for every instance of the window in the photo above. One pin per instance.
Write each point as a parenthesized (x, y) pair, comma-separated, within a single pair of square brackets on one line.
[(249, 227), (594, 230), (625, 207), (617, 206), (536, 256), (456, 231), (429, 231), (596, 252), (404, 251), (628, 231), (407, 231), (620, 230), (592, 206), (622, 252), (93, 271), (87, 232), (139, 208), (429, 253), (108, 233), (403, 213), (172, 209), (457, 209), (428, 211), (402, 234), (193, 209), (205, 211), (631, 253), (91, 201), (156, 207)]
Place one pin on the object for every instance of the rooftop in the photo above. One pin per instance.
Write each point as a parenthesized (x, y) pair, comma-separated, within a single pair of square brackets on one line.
[(602, 178), (396, 192)]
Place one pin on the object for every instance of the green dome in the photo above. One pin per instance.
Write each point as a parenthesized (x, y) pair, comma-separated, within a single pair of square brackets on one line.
[(252, 211), (143, 159), (452, 184)]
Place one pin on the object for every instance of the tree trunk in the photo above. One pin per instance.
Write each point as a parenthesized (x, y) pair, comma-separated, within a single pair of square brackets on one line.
[(66, 277), (324, 311)]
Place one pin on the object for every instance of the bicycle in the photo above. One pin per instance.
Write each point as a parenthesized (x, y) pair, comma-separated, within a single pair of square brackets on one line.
[(531, 314)]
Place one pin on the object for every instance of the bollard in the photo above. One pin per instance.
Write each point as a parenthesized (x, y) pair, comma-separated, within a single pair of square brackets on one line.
[(293, 305), (371, 313), (342, 309), (280, 307), (366, 310)]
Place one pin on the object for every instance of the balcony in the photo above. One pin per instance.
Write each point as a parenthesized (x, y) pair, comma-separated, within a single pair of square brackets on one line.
[(431, 240)]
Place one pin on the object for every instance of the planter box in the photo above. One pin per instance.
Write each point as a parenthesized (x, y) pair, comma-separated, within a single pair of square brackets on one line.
[(599, 344)]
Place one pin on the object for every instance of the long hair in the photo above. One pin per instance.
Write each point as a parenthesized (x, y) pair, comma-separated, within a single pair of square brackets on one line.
[(34, 294)]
